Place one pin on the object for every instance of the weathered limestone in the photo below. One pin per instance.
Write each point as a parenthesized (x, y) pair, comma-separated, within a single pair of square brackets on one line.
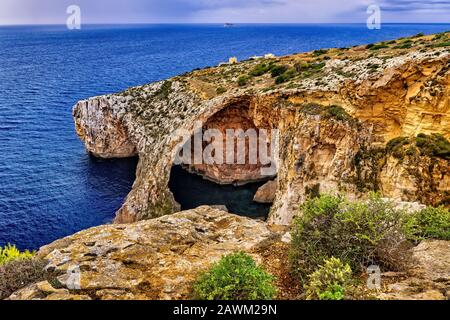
[(388, 93), (266, 193), (111, 140), (429, 277), (152, 259)]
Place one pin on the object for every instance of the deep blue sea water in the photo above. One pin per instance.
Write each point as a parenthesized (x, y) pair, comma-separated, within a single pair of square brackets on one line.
[(191, 190), (49, 186)]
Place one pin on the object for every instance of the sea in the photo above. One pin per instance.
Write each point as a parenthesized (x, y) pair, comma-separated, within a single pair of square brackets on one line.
[(50, 187)]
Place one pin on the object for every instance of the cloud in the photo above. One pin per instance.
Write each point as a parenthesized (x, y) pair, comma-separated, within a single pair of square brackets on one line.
[(403, 11), (414, 5), (174, 11)]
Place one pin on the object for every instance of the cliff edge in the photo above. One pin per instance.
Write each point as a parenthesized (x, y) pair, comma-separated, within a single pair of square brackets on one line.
[(350, 120)]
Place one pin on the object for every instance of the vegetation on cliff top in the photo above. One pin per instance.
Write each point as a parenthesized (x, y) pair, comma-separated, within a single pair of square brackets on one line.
[(290, 71), (11, 253), (18, 274), (19, 269), (333, 237), (433, 145), (358, 233)]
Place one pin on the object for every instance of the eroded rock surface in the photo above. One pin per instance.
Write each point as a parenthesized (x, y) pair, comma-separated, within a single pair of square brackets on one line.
[(429, 277), (381, 94), (266, 193), (153, 259)]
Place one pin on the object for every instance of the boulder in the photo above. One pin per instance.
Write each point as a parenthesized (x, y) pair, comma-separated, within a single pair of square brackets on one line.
[(429, 275), (266, 193)]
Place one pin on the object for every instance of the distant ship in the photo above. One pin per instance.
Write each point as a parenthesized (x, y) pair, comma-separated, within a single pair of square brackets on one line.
[(228, 25)]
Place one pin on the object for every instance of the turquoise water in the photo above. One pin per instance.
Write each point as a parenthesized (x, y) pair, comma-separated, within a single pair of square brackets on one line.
[(49, 186)]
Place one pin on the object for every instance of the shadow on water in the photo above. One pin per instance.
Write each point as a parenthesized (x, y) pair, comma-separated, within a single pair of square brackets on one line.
[(105, 174), (191, 190)]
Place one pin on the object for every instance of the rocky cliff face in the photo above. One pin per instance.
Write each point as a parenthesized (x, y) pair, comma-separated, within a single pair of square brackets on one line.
[(336, 111)]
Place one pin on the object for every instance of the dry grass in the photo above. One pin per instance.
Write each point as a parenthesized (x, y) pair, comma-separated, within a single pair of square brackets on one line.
[(18, 274)]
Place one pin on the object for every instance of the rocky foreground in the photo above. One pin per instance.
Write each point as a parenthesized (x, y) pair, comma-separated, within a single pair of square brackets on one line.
[(160, 258), (154, 259)]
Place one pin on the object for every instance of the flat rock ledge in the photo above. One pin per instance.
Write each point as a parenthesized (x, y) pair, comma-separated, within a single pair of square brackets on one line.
[(428, 278), (153, 259)]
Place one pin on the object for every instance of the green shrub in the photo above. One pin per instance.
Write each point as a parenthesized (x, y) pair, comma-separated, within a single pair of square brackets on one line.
[(428, 223), (289, 74), (395, 147), (165, 89), (235, 277), (305, 67), (278, 70), (358, 233), (403, 46), (440, 36), (339, 113), (11, 253), (441, 45), (259, 70), (433, 145), (221, 90), (242, 80), (329, 281), (274, 69), (378, 47), (320, 52)]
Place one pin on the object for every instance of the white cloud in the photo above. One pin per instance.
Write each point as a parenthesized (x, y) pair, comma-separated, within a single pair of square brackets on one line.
[(287, 11)]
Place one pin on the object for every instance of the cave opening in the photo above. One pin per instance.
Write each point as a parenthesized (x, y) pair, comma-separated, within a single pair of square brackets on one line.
[(234, 156), (191, 190)]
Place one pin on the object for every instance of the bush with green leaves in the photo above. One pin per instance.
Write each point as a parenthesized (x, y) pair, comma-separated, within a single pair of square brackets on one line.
[(339, 113), (221, 90), (379, 46), (11, 253), (242, 80), (429, 223), (359, 233), (235, 277), (260, 69), (319, 52), (330, 281), (278, 70), (286, 76), (433, 145)]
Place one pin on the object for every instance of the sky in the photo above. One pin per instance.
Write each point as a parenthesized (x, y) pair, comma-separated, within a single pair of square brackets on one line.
[(220, 11)]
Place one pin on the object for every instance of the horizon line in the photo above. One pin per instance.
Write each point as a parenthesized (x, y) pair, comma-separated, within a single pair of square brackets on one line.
[(220, 23)]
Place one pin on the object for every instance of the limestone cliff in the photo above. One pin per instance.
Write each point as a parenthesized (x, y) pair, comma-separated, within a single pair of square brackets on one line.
[(336, 110)]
